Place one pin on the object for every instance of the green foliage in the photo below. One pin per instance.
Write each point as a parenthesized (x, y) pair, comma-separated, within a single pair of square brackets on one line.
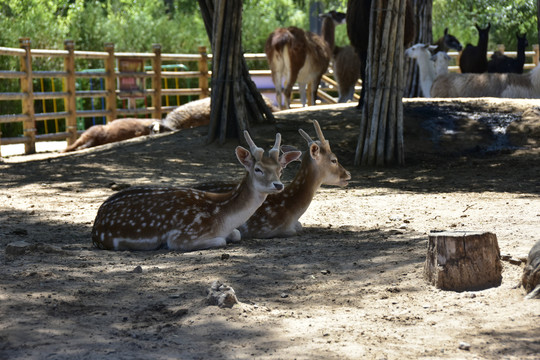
[(506, 17)]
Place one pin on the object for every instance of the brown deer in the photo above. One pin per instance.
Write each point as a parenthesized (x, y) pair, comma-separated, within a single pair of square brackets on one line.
[(278, 215), (117, 130), (149, 218), (296, 55), (345, 61)]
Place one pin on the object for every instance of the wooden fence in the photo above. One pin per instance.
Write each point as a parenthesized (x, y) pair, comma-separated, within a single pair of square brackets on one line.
[(113, 78)]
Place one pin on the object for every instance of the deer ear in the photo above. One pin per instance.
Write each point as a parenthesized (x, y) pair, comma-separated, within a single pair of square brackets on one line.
[(288, 157), (314, 150), (244, 156)]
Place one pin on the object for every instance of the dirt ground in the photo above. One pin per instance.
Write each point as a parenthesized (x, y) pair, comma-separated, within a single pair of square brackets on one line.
[(349, 287)]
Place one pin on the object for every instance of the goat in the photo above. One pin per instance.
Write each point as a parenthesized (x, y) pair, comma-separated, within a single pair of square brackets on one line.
[(421, 53), (447, 42), (345, 61), (358, 13), (149, 218), (440, 62), (278, 215), (474, 58), (296, 55), (117, 130), (500, 63), (196, 113), (526, 86)]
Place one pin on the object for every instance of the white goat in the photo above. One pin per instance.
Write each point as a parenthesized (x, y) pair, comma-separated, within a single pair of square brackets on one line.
[(524, 86), (440, 62), (421, 53)]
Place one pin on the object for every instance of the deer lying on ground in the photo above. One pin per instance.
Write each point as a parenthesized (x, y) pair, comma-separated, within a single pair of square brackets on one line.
[(196, 113), (117, 130), (149, 218), (278, 215), (296, 55)]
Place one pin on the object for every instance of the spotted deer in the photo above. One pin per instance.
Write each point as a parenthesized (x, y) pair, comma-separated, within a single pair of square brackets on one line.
[(279, 214), (149, 218)]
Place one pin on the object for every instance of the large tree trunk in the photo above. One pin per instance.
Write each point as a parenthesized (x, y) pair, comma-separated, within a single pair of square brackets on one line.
[(422, 10), (235, 99), (381, 128)]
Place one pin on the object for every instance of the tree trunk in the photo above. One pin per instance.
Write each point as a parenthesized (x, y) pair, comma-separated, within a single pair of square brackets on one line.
[(235, 99), (422, 11), (461, 260), (381, 128)]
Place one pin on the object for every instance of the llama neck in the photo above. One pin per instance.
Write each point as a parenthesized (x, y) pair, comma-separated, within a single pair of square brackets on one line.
[(427, 69), (521, 53), (329, 32)]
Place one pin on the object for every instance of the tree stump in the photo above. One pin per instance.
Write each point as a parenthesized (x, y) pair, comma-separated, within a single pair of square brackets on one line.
[(463, 260)]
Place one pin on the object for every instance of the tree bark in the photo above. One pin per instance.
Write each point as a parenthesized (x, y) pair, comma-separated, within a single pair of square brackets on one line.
[(235, 99), (461, 260), (381, 128)]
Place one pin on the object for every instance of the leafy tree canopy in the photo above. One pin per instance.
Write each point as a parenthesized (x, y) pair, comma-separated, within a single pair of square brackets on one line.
[(506, 17)]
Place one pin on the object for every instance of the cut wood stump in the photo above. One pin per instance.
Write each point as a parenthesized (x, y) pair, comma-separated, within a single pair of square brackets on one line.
[(463, 260)]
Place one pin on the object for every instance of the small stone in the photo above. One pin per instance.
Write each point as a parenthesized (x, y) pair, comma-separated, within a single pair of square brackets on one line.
[(137, 270), (18, 248), (464, 346), (118, 187)]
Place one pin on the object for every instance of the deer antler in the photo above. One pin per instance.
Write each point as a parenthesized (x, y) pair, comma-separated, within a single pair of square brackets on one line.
[(319, 133), (256, 151), (274, 152)]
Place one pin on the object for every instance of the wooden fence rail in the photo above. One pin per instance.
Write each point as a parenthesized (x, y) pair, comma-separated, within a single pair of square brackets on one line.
[(112, 92)]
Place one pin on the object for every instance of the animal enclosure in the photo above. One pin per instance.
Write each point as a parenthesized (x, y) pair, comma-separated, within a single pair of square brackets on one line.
[(162, 81)]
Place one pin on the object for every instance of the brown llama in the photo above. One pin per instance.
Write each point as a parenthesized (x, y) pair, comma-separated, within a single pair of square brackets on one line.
[(296, 55), (358, 12), (345, 61), (447, 42)]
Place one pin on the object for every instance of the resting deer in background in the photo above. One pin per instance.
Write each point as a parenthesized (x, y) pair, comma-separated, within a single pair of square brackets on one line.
[(117, 130), (149, 218), (296, 55), (345, 61), (278, 215)]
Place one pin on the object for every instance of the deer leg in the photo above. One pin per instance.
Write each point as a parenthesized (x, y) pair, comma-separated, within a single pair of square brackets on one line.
[(235, 236), (277, 84), (303, 97), (200, 244)]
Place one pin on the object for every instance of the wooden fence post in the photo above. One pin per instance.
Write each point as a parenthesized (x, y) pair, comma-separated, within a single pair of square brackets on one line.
[(156, 98), (536, 56), (29, 125), (203, 69), (110, 83), (69, 101)]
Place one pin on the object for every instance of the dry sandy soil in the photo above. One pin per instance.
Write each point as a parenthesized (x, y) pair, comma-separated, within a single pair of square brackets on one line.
[(350, 287)]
